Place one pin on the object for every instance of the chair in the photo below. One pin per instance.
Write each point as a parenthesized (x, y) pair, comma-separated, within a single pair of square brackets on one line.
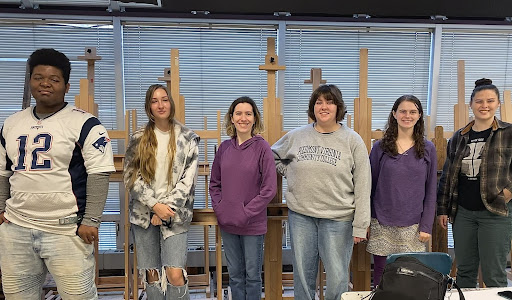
[(439, 261)]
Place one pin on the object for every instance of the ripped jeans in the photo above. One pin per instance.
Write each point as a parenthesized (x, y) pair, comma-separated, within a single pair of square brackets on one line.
[(155, 255), (27, 254)]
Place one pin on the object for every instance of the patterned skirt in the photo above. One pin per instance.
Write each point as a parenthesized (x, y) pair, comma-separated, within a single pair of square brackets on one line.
[(385, 240)]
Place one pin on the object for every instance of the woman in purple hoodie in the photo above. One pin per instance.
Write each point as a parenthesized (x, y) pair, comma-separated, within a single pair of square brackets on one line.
[(243, 181)]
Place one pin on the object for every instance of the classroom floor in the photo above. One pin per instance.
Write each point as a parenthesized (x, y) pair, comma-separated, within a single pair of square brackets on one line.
[(200, 295)]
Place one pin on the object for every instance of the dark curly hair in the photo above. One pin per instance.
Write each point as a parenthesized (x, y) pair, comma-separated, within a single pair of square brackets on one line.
[(50, 57), (388, 142)]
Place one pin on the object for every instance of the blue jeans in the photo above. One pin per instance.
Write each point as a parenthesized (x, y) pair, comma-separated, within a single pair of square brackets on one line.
[(481, 238), (154, 254), (244, 256), (330, 240), (27, 254)]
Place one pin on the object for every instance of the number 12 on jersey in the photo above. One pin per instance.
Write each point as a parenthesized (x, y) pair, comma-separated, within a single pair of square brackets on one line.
[(43, 143)]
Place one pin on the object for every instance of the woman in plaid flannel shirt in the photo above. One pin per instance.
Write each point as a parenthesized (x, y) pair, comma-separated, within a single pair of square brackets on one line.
[(474, 191)]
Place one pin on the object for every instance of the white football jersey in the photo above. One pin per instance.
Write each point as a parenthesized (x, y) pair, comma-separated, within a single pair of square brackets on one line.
[(48, 161)]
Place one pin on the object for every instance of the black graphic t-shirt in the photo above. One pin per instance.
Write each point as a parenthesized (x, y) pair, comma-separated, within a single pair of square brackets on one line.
[(469, 176)]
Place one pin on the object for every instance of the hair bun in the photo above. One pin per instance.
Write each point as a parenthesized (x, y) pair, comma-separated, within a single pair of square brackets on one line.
[(483, 81)]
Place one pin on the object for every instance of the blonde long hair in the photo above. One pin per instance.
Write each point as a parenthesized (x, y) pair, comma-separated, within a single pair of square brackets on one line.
[(144, 161)]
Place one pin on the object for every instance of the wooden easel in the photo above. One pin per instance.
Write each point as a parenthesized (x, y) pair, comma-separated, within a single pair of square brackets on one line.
[(85, 101), (315, 80), (439, 235), (273, 122), (506, 107), (27, 96), (203, 217), (360, 263), (461, 109), (461, 118), (130, 270), (173, 85), (203, 280), (361, 260)]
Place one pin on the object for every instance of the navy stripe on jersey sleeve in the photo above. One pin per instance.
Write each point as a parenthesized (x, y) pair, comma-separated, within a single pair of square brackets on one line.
[(86, 128), (8, 163), (78, 176), (77, 168)]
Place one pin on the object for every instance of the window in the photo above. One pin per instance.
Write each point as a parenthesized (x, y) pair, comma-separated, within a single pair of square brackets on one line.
[(398, 64), (217, 65), (486, 55), (21, 38)]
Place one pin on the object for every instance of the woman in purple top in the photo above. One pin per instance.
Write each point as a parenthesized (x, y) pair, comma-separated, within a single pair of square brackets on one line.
[(404, 178), (243, 181)]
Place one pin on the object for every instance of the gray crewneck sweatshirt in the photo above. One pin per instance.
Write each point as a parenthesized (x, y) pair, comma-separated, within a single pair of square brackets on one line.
[(328, 175)]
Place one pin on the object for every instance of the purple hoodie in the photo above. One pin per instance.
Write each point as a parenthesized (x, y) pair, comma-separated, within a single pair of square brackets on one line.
[(242, 183)]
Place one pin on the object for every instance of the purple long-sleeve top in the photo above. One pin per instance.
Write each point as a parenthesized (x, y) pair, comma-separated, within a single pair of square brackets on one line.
[(404, 187), (243, 181)]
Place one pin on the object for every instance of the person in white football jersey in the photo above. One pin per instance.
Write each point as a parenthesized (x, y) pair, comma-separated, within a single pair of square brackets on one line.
[(55, 161)]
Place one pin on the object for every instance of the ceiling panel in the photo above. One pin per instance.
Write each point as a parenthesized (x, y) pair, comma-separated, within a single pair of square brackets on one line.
[(374, 8), (496, 10)]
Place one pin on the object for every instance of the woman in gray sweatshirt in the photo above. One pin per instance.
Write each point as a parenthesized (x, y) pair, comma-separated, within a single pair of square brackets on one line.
[(329, 182)]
